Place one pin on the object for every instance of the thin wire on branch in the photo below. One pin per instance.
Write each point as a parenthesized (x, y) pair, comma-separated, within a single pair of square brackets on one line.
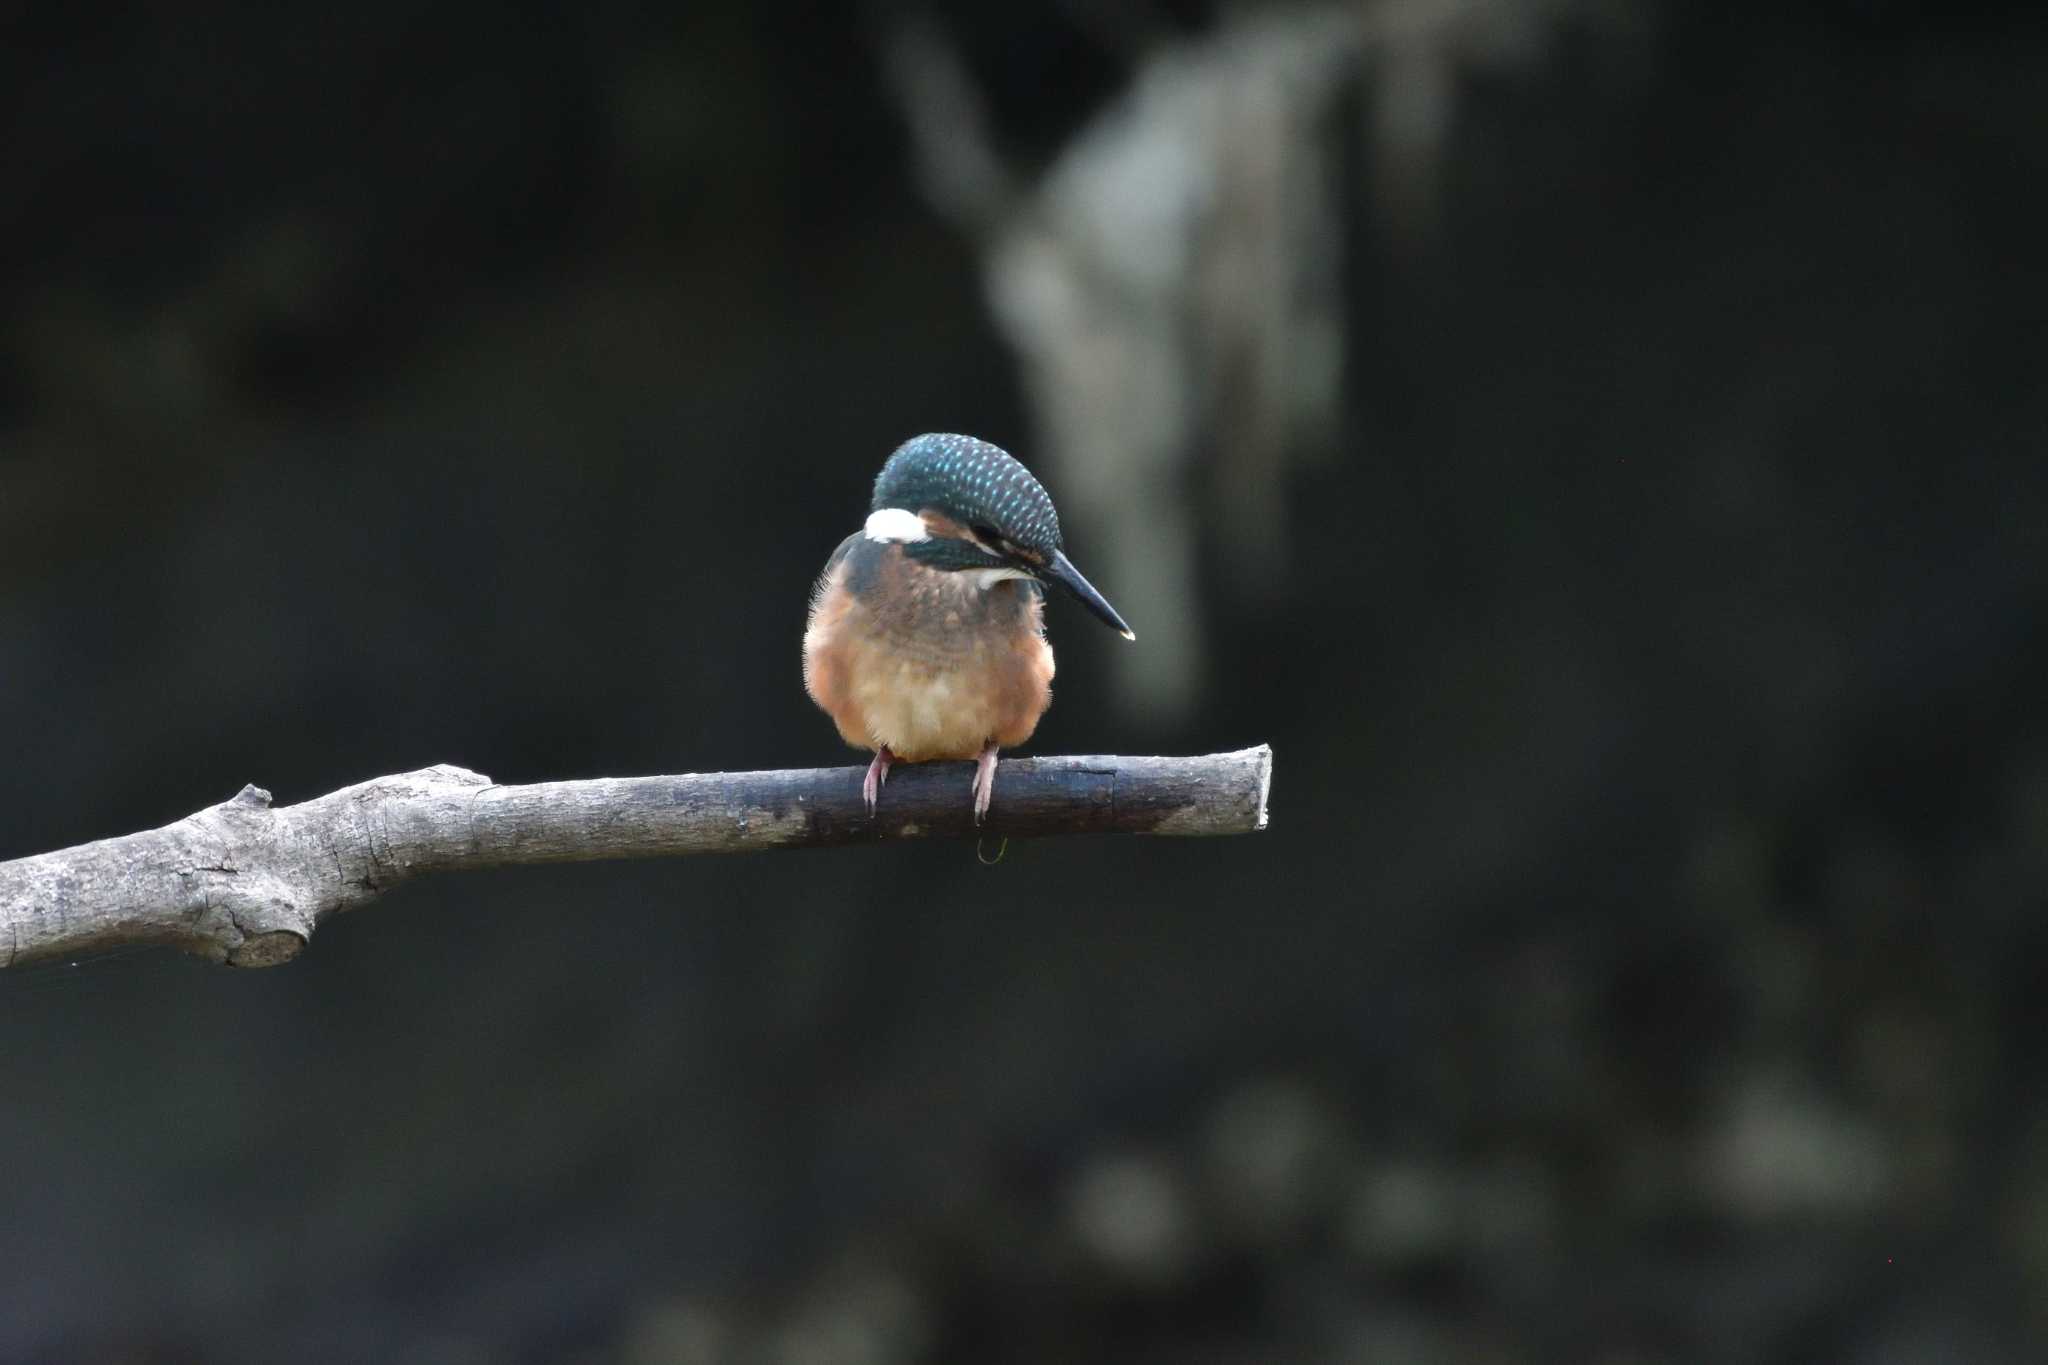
[(247, 883)]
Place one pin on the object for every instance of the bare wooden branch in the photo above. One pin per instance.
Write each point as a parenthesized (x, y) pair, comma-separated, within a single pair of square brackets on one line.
[(246, 884)]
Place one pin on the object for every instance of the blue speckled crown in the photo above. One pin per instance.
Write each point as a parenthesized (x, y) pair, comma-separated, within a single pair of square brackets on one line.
[(974, 483)]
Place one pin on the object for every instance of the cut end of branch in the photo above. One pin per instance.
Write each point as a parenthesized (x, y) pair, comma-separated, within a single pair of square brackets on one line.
[(1265, 761)]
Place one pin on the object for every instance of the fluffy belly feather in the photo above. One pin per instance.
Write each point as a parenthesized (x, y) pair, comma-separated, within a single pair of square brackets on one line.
[(925, 713), (924, 710), (930, 685)]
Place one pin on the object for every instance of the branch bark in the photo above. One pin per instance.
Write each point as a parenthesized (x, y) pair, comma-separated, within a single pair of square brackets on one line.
[(246, 883)]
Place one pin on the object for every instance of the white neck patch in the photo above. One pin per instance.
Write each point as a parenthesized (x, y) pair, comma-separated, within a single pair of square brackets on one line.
[(893, 523)]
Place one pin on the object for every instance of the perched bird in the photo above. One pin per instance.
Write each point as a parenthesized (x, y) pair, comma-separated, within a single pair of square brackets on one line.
[(927, 634)]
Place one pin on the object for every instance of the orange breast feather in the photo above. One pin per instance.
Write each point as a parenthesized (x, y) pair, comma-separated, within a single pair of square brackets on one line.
[(928, 663)]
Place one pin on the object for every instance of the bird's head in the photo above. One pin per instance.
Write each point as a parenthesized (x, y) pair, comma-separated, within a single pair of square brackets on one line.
[(964, 506)]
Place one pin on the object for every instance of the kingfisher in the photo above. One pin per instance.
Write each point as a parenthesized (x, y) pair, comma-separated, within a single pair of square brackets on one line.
[(926, 637)]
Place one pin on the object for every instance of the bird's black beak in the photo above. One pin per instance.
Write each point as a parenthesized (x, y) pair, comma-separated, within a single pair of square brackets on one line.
[(1062, 571)]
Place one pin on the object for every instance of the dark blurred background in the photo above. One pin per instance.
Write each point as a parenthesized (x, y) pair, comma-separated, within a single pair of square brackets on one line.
[(1599, 445)]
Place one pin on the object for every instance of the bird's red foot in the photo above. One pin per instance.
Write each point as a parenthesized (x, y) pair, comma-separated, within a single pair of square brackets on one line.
[(878, 773), (984, 780)]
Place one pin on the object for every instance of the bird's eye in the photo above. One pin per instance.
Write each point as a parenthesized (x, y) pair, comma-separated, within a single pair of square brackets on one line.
[(990, 539)]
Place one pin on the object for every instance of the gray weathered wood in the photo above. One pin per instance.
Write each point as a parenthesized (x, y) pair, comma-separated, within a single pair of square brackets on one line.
[(247, 883)]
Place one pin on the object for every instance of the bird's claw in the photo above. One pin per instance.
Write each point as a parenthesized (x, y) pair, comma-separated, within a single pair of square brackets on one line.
[(878, 773), (984, 781)]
